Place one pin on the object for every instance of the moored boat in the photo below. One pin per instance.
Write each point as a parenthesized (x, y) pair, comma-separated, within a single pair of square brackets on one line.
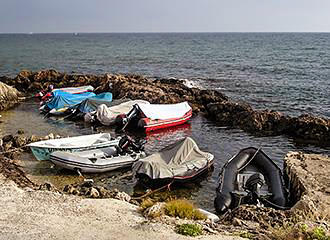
[(152, 117), (42, 149), (107, 115), (250, 177), (90, 104), (100, 160), (182, 161), (60, 103)]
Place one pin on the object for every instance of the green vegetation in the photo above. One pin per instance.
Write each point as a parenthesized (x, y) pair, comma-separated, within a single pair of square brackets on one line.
[(300, 232), (183, 209), (189, 229), (246, 235)]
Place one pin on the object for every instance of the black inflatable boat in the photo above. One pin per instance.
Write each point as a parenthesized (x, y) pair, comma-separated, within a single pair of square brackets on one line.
[(250, 177)]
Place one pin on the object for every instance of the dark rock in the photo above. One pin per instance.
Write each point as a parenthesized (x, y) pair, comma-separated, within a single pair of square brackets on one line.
[(20, 131), (8, 138), (19, 141), (47, 187)]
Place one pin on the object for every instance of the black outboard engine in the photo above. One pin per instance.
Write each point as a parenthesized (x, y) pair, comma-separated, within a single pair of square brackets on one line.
[(253, 185), (127, 144), (129, 116)]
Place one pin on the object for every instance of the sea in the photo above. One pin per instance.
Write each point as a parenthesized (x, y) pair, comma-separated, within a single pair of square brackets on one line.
[(286, 72)]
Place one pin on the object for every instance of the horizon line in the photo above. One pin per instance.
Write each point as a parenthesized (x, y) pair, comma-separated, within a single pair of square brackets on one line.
[(142, 32)]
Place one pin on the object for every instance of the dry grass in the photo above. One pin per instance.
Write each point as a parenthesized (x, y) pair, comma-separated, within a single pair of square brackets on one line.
[(146, 203), (183, 209)]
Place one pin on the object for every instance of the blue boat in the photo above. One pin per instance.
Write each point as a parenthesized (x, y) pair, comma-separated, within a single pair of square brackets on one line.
[(62, 102)]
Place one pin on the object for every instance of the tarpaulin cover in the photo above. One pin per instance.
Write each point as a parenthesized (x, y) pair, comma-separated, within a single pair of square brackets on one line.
[(72, 90), (107, 115), (67, 100), (173, 161), (165, 111), (90, 104)]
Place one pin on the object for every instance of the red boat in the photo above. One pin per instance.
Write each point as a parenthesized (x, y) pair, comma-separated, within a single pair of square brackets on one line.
[(155, 124), (152, 117)]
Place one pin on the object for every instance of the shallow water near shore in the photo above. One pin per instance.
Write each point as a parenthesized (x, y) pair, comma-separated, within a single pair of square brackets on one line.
[(222, 142)]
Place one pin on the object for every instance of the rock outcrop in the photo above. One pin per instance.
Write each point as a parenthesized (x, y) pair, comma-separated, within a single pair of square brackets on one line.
[(218, 106), (9, 96), (310, 180)]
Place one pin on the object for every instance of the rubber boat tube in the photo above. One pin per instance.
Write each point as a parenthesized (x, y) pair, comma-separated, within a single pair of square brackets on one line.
[(248, 156)]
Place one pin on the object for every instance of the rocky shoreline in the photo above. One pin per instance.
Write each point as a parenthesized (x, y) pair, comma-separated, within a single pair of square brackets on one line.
[(307, 172), (214, 104)]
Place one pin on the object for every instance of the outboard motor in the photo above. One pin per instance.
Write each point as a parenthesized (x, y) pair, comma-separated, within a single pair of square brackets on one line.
[(125, 120), (253, 185), (126, 144)]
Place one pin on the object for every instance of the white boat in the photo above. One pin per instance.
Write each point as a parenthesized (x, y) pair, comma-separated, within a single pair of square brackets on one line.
[(95, 161), (42, 149), (107, 115), (100, 160), (75, 90)]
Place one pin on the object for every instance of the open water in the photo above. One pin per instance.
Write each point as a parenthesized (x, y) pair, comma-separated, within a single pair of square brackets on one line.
[(288, 72)]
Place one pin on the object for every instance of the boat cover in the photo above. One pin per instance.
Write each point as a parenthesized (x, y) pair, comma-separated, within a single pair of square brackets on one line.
[(67, 100), (72, 90), (165, 111), (90, 104), (107, 115), (174, 160)]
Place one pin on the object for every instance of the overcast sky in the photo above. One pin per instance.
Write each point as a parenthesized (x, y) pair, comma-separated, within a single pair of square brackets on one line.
[(164, 15)]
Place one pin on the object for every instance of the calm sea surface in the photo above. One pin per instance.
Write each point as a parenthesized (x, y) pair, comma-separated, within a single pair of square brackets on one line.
[(288, 72)]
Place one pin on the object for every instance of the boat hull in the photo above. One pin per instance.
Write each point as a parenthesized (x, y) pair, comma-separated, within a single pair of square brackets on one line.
[(150, 125), (84, 166), (42, 150)]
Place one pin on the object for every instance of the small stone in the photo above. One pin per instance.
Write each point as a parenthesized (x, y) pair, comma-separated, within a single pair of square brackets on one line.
[(8, 138), (51, 136), (19, 141), (123, 196), (155, 210), (20, 131), (237, 222), (47, 187), (7, 146), (93, 193)]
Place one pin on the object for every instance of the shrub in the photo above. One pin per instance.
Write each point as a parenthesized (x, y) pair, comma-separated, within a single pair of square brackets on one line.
[(189, 229), (183, 209)]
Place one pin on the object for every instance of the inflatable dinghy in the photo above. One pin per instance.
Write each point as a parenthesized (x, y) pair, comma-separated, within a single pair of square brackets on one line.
[(250, 177)]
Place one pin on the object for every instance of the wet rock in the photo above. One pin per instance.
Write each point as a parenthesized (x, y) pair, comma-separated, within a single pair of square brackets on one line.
[(8, 138), (20, 131), (19, 141), (7, 146)]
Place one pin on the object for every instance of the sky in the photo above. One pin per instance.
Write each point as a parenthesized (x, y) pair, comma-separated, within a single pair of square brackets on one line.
[(45, 16)]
